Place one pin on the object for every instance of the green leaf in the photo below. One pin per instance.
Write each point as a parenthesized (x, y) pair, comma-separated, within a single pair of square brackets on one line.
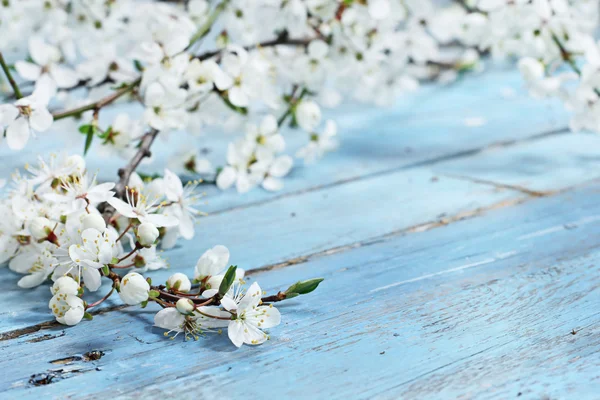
[(143, 304), (153, 293), (88, 139), (85, 128), (176, 285), (138, 65), (106, 133), (114, 260), (105, 270), (227, 281), (303, 287), (88, 316), (149, 177)]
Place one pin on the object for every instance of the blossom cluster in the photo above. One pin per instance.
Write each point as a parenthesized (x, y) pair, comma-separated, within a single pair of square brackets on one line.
[(53, 229), (555, 44), (248, 67)]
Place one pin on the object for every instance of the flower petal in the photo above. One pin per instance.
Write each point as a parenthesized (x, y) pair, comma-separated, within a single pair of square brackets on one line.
[(226, 178), (169, 318), (235, 331), (63, 76), (92, 278), (17, 134), (161, 220), (40, 119), (238, 97), (28, 71), (122, 208)]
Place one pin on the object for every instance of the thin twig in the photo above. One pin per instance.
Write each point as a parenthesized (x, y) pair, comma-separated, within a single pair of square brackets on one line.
[(102, 300), (12, 82), (205, 28), (282, 40), (96, 106), (143, 152), (292, 105)]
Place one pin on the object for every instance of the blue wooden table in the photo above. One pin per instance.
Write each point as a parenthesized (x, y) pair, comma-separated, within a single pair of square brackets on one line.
[(458, 234)]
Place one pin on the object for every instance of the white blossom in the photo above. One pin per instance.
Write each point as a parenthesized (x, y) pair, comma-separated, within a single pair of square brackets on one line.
[(250, 318), (134, 289)]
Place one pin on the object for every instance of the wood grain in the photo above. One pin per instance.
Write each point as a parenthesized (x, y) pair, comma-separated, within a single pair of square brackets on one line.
[(481, 308)]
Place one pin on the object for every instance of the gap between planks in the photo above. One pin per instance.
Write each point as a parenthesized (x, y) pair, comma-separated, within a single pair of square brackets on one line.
[(432, 161), (422, 227)]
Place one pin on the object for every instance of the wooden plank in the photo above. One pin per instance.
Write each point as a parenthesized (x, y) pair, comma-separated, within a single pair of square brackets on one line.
[(296, 226), (287, 223), (479, 308), (545, 165)]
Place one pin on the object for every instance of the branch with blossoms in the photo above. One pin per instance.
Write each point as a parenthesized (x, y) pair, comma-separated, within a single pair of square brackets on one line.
[(71, 244), (555, 44), (257, 68)]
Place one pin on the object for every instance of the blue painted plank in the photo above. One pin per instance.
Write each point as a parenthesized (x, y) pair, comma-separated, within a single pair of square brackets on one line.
[(295, 226), (479, 308), (546, 165)]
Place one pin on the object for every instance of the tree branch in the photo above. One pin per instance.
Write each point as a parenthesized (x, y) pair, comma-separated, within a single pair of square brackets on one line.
[(282, 40), (96, 106), (12, 82), (143, 152)]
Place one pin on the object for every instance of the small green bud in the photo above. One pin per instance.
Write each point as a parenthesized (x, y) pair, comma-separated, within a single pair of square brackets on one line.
[(303, 287)]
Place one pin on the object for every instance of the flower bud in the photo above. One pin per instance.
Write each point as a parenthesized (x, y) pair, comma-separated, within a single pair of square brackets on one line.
[(40, 227), (147, 234), (308, 115), (134, 289), (67, 308), (185, 306), (65, 284), (179, 282), (93, 221)]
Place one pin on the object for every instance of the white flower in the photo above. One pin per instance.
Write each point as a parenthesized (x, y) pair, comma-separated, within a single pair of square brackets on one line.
[(97, 250), (38, 264), (23, 119), (147, 234), (267, 138), (40, 227), (250, 318), (134, 289), (82, 193), (198, 323), (46, 70), (184, 199), (319, 144), (201, 75), (164, 108), (185, 306), (308, 115), (65, 285), (272, 170), (246, 74), (67, 308), (147, 259), (124, 131), (94, 221), (139, 207), (179, 282), (212, 262)]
